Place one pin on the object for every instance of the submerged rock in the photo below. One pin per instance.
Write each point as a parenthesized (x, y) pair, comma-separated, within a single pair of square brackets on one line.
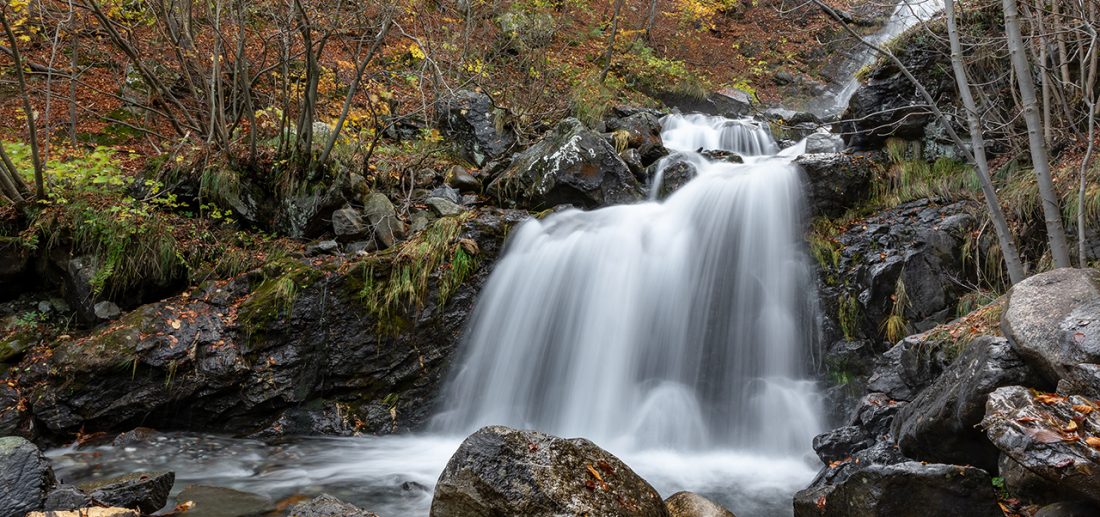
[(94, 511), (213, 501), (25, 477), (940, 424), (504, 471), (570, 165), (690, 504)]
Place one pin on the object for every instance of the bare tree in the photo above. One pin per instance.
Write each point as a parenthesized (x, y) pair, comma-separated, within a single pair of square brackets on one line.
[(1052, 214), (32, 130), (981, 163)]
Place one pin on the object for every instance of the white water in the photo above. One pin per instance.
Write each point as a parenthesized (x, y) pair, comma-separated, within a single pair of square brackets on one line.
[(674, 334), (907, 14)]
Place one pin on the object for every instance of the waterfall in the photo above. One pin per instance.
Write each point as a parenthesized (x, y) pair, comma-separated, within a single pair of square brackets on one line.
[(682, 325), (907, 14)]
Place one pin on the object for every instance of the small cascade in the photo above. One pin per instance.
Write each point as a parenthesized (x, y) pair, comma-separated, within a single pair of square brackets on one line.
[(683, 325), (907, 14)]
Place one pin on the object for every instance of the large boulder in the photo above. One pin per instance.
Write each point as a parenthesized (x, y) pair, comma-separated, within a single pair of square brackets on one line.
[(1053, 321), (1054, 437), (386, 228), (25, 477), (503, 471), (325, 505), (470, 119), (909, 489), (727, 102), (940, 424), (835, 182), (908, 367), (570, 165)]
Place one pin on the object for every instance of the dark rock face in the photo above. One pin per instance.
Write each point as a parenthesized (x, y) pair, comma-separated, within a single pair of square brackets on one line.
[(730, 103), (835, 182), (907, 368), (144, 491), (327, 506), (841, 443), (1053, 321), (235, 357), (690, 504), (909, 489), (677, 173), (67, 497), (503, 471), (887, 104), (25, 477), (571, 165), (469, 119), (1049, 436), (939, 425), (643, 130)]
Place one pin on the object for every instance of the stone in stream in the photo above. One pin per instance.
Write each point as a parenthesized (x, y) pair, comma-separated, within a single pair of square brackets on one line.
[(89, 512), (690, 504), (503, 471), (66, 497), (25, 476), (144, 491), (327, 506), (215, 501)]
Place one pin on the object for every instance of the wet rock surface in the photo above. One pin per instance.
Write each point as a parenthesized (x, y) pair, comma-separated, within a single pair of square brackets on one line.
[(212, 501), (25, 476), (504, 471), (469, 118), (238, 357), (835, 182), (940, 424), (690, 504), (327, 506), (570, 165), (143, 491)]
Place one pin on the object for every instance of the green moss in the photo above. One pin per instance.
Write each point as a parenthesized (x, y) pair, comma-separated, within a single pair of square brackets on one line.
[(397, 283), (275, 296), (848, 316)]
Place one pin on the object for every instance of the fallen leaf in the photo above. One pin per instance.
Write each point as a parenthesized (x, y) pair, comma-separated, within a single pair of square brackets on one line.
[(1093, 442), (1083, 408), (1049, 398), (1070, 427), (175, 324)]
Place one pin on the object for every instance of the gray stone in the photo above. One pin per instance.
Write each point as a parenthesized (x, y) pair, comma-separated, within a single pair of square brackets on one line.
[(690, 504), (66, 497), (824, 143), (570, 165), (503, 471), (327, 247), (1069, 509), (25, 477), (361, 247), (458, 177), (443, 207), (347, 222), (447, 193), (1053, 321), (470, 119), (107, 310), (835, 182), (387, 229), (327, 506)]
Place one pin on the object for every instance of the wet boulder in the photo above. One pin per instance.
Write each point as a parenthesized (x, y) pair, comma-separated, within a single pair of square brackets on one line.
[(835, 182), (907, 368), (1053, 321), (939, 425), (25, 476), (570, 165), (1054, 437), (841, 443), (676, 173), (67, 497), (459, 178), (641, 130), (470, 119), (909, 489), (144, 491), (690, 504), (213, 501), (824, 143), (503, 471), (94, 511), (327, 506), (727, 102)]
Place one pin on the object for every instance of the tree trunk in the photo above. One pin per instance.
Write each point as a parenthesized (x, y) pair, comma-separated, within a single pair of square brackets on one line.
[(611, 44), (1056, 233), (981, 164), (32, 129)]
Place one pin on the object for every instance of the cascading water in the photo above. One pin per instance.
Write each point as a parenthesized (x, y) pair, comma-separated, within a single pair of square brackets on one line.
[(675, 334), (683, 325)]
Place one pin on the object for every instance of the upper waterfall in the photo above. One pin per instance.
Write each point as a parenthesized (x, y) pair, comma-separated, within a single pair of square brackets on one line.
[(683, 324)]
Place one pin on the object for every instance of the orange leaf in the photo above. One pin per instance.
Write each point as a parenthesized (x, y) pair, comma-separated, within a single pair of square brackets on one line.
[(1093, 442), (1083, 408)]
